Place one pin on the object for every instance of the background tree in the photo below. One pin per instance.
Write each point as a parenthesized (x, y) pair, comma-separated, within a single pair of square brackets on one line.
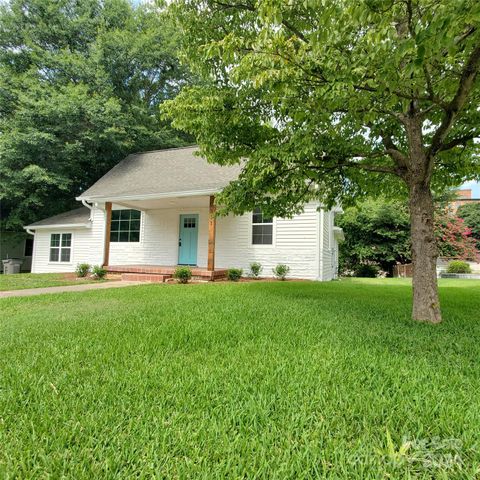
[(454, 237), (377, 232), (80, 85), (335, 99), (470, 213)]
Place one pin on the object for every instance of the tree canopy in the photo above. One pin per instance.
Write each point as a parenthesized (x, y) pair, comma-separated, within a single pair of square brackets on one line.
[(80, 85), (333, 100), (320, 92)]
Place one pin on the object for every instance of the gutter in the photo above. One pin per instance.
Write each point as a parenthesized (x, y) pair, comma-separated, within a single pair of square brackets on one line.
[(150, 196), (53, 226)]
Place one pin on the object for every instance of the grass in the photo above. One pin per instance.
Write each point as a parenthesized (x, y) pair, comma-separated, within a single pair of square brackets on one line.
[(272, 380), (38, 280)]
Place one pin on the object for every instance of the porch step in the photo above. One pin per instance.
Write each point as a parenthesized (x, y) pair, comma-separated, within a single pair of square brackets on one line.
[(166, 271), (145, 277)]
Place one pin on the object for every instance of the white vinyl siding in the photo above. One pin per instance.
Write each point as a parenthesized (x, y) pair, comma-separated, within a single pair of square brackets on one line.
[(329, 248), (87, 246), (159, 234), (295, 242)]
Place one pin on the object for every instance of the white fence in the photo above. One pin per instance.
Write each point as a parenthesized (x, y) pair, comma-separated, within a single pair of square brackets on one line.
[(442, 264)]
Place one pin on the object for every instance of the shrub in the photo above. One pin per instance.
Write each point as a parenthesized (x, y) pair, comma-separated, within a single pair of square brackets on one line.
[(82, 269), (183, 274), (255, 269), (99, 272), (366, 271), (234, 274), (457, 266), (281, 271)]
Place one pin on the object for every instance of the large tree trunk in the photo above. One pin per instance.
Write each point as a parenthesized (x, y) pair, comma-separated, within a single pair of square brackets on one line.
[(426, 304)]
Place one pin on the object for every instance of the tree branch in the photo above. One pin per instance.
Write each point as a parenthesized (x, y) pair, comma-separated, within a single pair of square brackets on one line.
[(338, 165), (371, 168), (361, 166), (465, 86), (465, 35), (397, 156), (251, 8), (398, 93), (457, 141)]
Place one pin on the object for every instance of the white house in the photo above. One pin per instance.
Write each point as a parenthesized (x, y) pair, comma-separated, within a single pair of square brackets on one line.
[(154, 210)]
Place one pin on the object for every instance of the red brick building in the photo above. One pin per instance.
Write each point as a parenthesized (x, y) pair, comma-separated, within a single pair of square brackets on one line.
[(463, 197)]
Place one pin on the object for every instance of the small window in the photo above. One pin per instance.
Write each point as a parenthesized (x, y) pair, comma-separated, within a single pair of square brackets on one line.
[(125, 226), (189, 222), (262, 228), (28, 252), (60, 247)]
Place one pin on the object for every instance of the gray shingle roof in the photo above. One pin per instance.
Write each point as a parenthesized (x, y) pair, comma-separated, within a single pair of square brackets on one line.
[(79, 216), (174, 170)]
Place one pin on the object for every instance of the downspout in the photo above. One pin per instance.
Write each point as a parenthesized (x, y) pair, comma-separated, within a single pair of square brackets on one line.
[(32, 266), (90, 207)]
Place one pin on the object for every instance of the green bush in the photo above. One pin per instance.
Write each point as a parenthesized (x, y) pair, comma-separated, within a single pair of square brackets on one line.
[(366, 271), (255, 269), (457, 266), (183, 274), (82, 269), (234, 274), (98, 272), (281, 271)]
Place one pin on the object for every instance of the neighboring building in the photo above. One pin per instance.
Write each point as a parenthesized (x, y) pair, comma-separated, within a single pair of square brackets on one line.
[(154, 210), (17, 245), (463, 197)]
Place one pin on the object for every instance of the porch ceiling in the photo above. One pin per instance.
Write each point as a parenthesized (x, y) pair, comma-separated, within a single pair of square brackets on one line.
[(169, 202)]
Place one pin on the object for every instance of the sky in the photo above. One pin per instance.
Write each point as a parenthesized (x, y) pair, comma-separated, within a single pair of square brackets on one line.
[(475, 186)]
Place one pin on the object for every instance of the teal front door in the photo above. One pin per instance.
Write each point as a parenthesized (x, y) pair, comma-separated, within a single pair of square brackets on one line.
[(188, 240)]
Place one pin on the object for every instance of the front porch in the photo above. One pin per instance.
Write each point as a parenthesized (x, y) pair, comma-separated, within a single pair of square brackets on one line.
[(160, 273), (169, 232)]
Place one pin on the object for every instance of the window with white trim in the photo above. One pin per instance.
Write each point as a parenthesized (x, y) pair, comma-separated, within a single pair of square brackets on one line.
[(60, 247), (262, 228), (125, 226)]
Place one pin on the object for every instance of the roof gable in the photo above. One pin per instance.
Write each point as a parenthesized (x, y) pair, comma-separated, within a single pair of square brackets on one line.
[(161, 172)]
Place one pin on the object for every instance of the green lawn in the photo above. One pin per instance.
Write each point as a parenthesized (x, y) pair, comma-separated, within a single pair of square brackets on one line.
[(38, 280), (256, 380)]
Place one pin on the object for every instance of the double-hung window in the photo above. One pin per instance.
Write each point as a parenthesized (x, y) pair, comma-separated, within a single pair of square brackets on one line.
[(60, 247), (262, 228), (125, 226)]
